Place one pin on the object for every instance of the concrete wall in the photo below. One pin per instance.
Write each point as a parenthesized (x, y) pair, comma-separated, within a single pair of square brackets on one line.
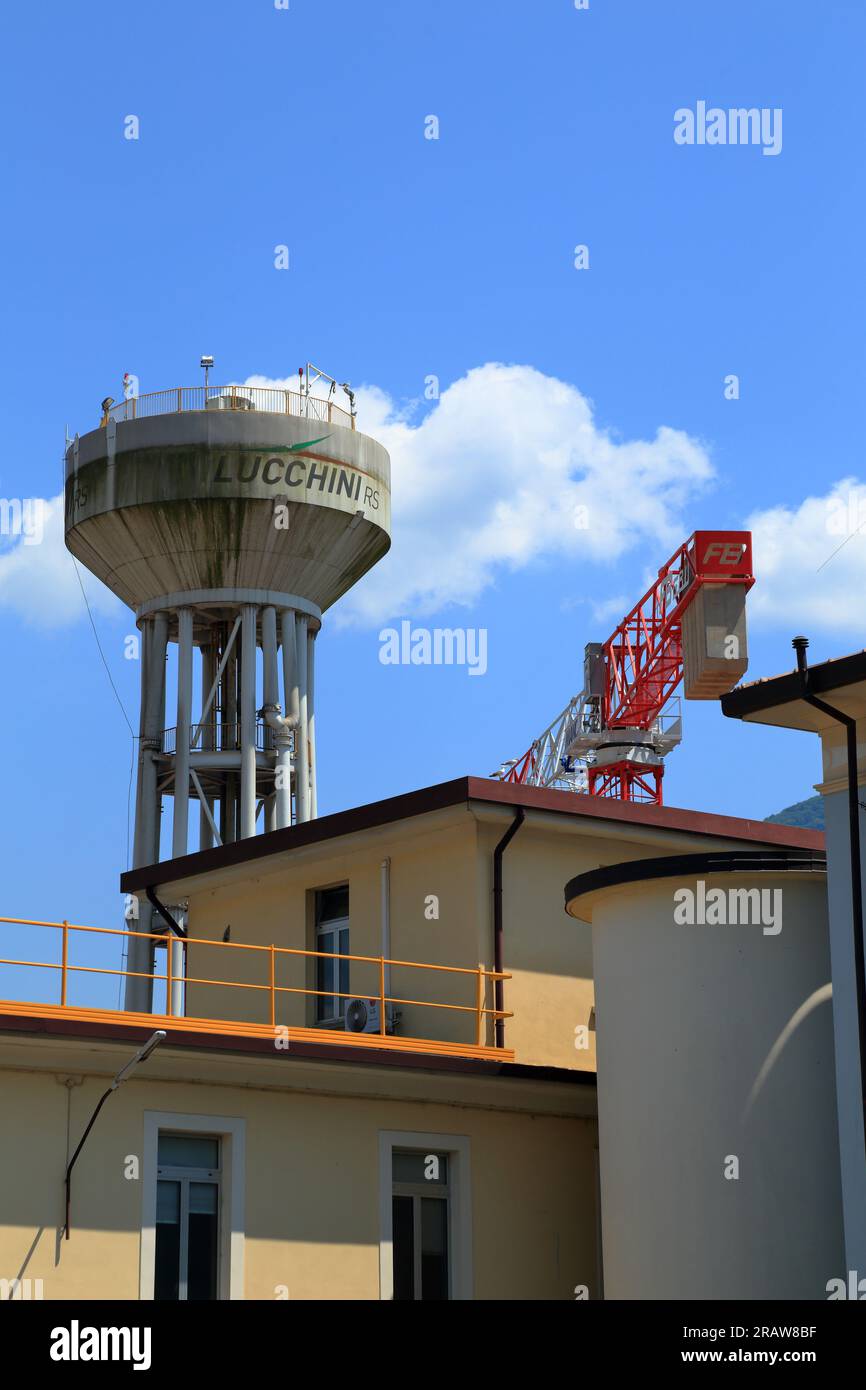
[(715, 1043), (311, 1189)]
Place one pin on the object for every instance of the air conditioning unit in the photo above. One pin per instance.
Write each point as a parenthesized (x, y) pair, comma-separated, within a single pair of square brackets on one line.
[(362, 1016)]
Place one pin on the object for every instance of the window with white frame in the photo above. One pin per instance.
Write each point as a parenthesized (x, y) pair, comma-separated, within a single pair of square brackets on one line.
[(332, 939), (425, 1217), (192, 1239), (419, 1225), (187, 1218)]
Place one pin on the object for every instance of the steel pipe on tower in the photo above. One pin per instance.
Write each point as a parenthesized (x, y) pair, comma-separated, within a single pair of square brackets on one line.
[(302, 735), (311, 717), (271, 691), (292, 698), (248, 722)]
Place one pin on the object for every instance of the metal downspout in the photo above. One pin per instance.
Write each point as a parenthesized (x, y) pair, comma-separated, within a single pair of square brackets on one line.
[(498, 952), (385, 913), (177, 1003)]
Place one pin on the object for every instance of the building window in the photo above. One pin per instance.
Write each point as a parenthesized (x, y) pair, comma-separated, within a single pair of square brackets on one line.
[(419, 1206), (332, 938), (192, 1233), (187, 1218), (425, 1217)]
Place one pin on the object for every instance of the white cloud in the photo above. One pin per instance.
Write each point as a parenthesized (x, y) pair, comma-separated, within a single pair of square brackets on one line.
[(489, 480), (612, 610), (37, 581), (796, 581), (495, 477)]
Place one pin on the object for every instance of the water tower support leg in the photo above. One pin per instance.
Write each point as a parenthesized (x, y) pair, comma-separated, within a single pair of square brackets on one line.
[(180, 823), (248, 721), (302, 744), (208, 671), (138, 992), (180, 827), (292, 696), (311, 718), (230, 740)]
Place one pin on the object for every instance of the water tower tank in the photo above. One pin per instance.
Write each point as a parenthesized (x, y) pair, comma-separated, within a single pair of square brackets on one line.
[(229, 519)]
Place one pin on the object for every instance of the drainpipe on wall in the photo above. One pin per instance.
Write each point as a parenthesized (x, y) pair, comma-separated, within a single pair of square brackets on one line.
[(850, 724), (178, 953), (498, 953), (385, 884)]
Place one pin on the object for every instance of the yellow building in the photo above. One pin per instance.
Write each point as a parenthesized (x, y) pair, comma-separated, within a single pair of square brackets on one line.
[(264, 1150)]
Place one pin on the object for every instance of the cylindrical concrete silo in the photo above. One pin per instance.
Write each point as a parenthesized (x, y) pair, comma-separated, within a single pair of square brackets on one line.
[(716, 1096), (229, 520)]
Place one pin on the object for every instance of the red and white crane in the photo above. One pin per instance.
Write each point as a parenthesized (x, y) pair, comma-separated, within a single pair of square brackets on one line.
[(690, 625)]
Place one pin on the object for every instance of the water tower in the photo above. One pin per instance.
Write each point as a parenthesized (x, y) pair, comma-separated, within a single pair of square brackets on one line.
[(228, 519)]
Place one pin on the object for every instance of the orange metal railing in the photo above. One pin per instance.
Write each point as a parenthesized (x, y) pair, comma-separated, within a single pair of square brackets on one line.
[(270, 953), (272, 399)]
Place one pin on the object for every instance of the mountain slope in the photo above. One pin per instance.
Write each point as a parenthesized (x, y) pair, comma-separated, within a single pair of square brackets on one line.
[(808, 814)]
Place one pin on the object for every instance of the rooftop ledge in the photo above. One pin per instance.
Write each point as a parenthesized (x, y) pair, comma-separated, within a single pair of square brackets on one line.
[(285, 1037), (171, 874)]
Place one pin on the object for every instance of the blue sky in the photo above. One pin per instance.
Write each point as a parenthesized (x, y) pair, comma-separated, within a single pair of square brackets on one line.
[(411, 257)]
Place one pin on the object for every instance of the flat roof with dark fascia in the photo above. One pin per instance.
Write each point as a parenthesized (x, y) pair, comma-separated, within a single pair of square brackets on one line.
[(299, 1051), (763, 701), (463, 790)]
